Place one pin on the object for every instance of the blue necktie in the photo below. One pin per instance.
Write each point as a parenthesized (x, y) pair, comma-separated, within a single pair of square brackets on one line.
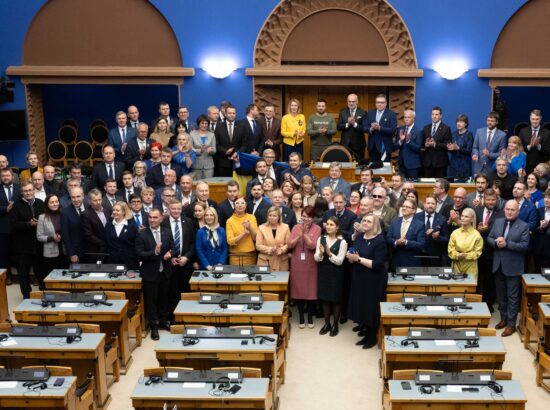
[(111, 174), (138, 220), (123, 136), (177, 237)]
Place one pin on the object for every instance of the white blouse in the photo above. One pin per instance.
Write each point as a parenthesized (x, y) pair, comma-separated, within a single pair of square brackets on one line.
[(337, 259)]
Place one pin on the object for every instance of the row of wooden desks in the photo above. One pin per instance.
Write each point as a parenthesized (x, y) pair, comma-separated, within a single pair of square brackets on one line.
[(429, 284), (86, 355), (15, 395), (534, 285)]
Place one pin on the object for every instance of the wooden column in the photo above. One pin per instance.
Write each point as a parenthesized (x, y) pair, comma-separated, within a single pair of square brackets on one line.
[(35, 120)]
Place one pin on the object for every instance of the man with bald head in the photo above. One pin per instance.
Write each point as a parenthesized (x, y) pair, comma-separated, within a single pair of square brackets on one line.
[(133, 116), (510, 239), (50, 184), (350, 124), (453, 212), (38, 183)]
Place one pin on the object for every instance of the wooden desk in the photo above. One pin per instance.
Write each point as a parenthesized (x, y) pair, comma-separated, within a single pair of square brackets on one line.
[(84, 356), (218, 188), (275, 282), (62, 397), (4, 311), (533, 286), (512, 398), (393, 314), (489, 355), (254, 394), (271, 314), (110, 319), (543, 365), (425, 188), (132, 287), (430, 284)]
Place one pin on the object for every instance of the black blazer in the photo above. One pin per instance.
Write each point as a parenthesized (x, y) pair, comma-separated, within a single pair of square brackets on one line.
[(346, 222), (534, 156), (150, 262), (107, 206), (143, 216), (155, 177), (436, 157), (24, 236), (187, 232), (71, 231), (225, 211), (246, 140), (126, 198), (352, 135), (93, 231), (5, 221), (122, 248), (273, 134), (223, 143), (99, 175), (132, 153), (261, 211), (189, 210)]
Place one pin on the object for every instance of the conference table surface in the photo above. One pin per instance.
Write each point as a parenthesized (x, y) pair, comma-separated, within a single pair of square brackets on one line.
[(14, 394), (235, 313), (533, 286), (431, 284)]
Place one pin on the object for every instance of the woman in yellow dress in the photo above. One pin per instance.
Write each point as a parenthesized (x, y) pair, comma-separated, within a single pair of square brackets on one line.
[(293, 129), (466, 244), (241, 231)]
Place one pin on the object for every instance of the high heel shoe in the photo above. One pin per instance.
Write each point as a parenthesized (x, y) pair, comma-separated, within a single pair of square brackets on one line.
[(325, 329)]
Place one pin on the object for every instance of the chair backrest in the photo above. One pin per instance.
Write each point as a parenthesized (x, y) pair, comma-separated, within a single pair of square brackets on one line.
[(54, 370), (410, 374), (396, 297), (483, 331), (99, 133), (519, 126), (97, 121), (195, 295), (69, 121), (83, 151), (271, 297), (246, 371), (109, 294), (470, 297), (499, 374), (178, 329), (259, 330), (545, 298), (159, 371), (68, 134), (337, 153), (404, 331), (85, 327), (39, 294)]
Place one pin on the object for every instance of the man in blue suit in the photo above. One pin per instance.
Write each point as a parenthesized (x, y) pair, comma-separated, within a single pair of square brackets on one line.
[(335, 180), (406, 236), (437, 233), (527, 210), (488, 143), (408, 143), (510, 238), (380, 124), (121, 135)]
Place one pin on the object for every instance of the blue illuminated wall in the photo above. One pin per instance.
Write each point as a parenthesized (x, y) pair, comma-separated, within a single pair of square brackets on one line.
[(439, 28)]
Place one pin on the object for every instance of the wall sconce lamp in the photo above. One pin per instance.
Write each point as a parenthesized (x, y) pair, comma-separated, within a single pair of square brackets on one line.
[(219, 67), (450, 69)]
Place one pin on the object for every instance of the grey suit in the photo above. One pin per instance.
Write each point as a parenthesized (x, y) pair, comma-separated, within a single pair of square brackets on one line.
[(45, 230), (204, 164), (508, 266), (497, 143)]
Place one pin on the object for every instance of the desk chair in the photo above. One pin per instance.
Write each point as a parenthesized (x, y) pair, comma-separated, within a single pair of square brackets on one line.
[(336, 152), (111, 349), (396, 297), (499, 374), (534, 328)]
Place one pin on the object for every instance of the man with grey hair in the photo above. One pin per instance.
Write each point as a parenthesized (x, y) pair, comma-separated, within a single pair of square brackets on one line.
[(408, 142), (350, 124), (120, 135), (335, 180), (202, 194), (385, 212)]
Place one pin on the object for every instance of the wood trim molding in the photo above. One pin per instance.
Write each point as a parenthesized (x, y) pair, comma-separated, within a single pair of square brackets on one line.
[(35, 119), (516, 77), (334, 71)]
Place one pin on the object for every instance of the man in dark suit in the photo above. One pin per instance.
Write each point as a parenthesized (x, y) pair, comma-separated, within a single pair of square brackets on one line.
[(154, 248), (476, 199), (213, 114), (536, 141), (226, 209), (380, 124), (261, 174), (435, 137), (155, 175), (527, 210), (141, 218), (452, 213), (486, 216), (271, 129), (169, 182), (202, 194), (164, 111), (365, 186), (183, 118), (9, 194), (409, 141), (71, 227), (93, 221), (507, 180), (183, 233), (273, 170), (75, 172), (110, 198), (139, 148), (119, 136), (510, 239), (541, 236), (133, 116), (350, 124), (441, 194), (225, 143), (407, 237), (28, 252), (437, 234), (257, 205), (51, 186), (250, 138), (108, 169), (128, 188), (287, 215)]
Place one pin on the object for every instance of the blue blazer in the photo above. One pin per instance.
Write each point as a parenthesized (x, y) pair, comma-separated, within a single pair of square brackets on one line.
[(208, 255), (71, 231), (115, 140), (498, 142), (416, 240), (409, 152), (435, 247), (511, 259), (528, 213), (388, 125), (122, 249), (342, 186)]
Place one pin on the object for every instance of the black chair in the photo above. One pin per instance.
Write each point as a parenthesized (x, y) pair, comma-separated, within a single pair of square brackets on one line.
[(519, 126), (336, 152)]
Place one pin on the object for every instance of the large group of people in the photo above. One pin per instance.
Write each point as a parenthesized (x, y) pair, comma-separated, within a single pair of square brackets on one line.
[(337, 238)]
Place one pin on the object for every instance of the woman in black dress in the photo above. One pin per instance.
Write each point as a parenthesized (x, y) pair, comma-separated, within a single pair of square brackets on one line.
[(120, 236), (368, 280), (330, 254)]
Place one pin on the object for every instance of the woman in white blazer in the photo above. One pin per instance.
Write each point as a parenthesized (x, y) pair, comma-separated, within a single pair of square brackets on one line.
[(203, 142), (48, 232)]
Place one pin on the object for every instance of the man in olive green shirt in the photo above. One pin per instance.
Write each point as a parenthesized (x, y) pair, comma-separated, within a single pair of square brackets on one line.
[(320, 128)]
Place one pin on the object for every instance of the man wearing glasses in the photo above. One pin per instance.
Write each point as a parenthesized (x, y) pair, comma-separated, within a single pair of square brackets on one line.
[(380, 208), (406, 236), (380, 124)]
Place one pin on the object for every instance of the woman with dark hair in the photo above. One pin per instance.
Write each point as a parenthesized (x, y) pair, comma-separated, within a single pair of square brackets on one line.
[(533, 193), (211, 242), (303, 268), (180, 128), (120, 236), (319, 209), (460, 149), (330, 254), (203, 143), (156, 149), (354, 199), (199, 211), (287, 188), (296, 204), (48, 232), (268, 185), (368, 279)]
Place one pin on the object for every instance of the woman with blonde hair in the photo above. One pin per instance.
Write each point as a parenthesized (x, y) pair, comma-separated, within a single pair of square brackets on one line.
[(516, 157), (272, 241), (309, 193), (120, 236), (161, 133), (211, 242), (241, 233), (293, 129), (466, 244), (184, 155)]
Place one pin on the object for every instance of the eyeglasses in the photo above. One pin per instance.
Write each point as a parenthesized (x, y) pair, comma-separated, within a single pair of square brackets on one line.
[(265, 157), (458, 197), (169, 194), (407, 206), (378, 196)]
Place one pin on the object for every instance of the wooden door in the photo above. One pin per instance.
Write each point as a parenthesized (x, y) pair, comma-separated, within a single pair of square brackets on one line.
[(336, 97)]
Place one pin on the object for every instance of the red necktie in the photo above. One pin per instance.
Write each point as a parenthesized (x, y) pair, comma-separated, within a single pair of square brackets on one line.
[(487, 217)]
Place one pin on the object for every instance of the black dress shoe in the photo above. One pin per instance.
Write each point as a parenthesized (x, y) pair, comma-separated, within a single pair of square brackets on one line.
[(164, 326), (357, 328), (325, 329), (343, 320), (155, 333), (361, 342), (369, 343), (362, 332), (333, 331)]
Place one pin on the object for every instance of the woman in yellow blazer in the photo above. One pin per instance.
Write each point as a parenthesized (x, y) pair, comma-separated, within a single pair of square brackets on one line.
[(26, 174), (293, 129), (466, 244), (272, 240), (241, 231)]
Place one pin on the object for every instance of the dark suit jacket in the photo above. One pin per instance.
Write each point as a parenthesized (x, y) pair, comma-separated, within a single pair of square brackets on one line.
[(155, 177), (150, 262), (540, 241), (143, 216), (99, 175), (187, 232), (487, 250), (528, 213), (435, 247), (93, 231), (273, 134), (534, 156), (409, 152), (188, 211), (436, 157), (71, 232), (24, 236), (225, 211), (510, 259), (115, 139), (388, 125), (106, 204), (353, 137), (122, 193), (416, 238), (132, 153), (261, 211), (245, 140), (223, 143), (5, 221), (346, 222), (122, 248)]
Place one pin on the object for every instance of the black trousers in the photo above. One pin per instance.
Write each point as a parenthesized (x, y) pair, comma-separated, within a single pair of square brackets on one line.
[(435, 172), (5, 255), (48, 264), (156, 298), (486, 278), (179, 283), (24, 263)]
